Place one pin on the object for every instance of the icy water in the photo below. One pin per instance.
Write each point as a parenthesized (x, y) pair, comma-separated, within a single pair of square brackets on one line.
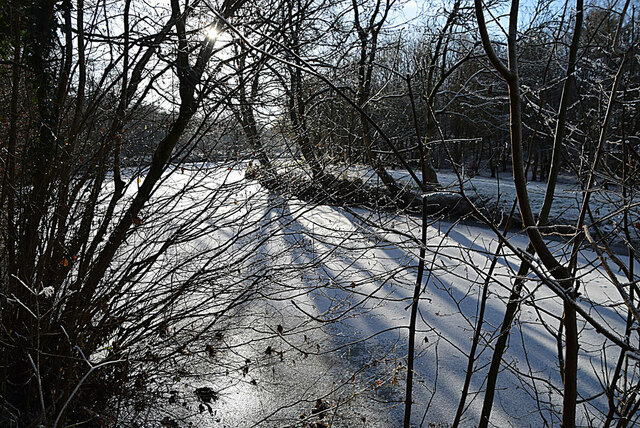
[(326, 342)]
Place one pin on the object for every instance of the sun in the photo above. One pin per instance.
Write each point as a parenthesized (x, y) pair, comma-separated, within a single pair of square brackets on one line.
[(213, 33)]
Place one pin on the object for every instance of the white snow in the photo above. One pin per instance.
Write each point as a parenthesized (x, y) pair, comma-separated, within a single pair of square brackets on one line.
[(339, 281)]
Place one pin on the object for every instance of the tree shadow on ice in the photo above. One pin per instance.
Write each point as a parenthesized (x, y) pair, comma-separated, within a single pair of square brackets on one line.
[(340, 295)]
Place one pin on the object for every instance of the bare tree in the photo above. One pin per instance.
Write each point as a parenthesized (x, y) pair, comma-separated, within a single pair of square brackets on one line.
[(77, 257)]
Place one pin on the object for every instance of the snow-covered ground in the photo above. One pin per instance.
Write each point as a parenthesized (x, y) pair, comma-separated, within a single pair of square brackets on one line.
[(498, 194), (331, 324)]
